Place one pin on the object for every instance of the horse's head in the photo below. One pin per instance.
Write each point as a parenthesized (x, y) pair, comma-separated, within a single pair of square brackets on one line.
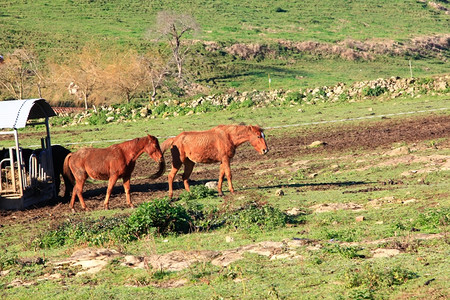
[(258, 140), (152, 148), (154, 151)]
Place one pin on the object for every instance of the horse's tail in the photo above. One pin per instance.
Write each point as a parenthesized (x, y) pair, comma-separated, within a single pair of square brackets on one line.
[(67, 172), (161, 169), (167, 144)]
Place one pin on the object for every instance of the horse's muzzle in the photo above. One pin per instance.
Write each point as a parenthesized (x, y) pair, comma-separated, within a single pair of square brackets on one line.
[(264, 151)]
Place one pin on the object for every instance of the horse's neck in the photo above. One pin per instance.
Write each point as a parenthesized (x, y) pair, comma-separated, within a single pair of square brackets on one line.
[(132, 150), (239, 135)]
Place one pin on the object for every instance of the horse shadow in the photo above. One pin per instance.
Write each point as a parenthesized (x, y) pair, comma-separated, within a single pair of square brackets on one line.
[(318, 184), (118, 190)]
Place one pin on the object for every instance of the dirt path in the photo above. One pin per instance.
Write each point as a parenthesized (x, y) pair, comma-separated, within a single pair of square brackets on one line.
[(338, 138)]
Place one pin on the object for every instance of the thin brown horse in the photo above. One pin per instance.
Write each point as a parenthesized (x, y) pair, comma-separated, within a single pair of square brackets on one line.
[(111, 163), (215, 145)]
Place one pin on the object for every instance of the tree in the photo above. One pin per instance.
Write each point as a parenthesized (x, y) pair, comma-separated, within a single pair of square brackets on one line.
[(157, 68), (173, 26), (84, 73), (126, 73), (19, 72)]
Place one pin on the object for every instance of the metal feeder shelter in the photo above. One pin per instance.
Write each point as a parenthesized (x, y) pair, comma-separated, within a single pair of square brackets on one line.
[(26, 175)]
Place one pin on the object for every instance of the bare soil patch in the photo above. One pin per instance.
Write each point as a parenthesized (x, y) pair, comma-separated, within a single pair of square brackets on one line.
[(343, 138)]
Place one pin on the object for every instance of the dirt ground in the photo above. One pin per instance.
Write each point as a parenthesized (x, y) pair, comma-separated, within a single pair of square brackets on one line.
[(338, 138)]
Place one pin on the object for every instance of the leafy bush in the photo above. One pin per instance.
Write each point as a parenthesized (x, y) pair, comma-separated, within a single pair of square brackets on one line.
[(61, 120), (350, 235), (374, 92), (83, 230), (158, 216), (344, 251), (207, 106), (294, 96), (197, 192), (7, 260), (374, 278), (203, 218), (255, 217), (432, 219), (98, 118)]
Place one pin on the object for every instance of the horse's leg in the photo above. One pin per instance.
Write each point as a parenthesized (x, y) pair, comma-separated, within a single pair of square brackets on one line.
[(126, 187), (188, 167), (78, 191), (176, 165), (72, 199), (221, 175), (111, 182), (227, 170)]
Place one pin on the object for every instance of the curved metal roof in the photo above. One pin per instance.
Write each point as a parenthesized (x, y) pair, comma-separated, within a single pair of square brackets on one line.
[(16, 113)]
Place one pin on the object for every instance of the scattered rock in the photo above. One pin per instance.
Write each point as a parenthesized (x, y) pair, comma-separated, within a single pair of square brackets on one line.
[(377, 253), (398, 151), (91, 260), (229, 239), (293, 212), (316, 144), (409, 201), (326, 207), (279, 192), (212, 185), (360, 218)]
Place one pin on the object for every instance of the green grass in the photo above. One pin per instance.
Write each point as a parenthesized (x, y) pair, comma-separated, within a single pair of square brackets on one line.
[(332, 271), (69, 25), (127, 21)]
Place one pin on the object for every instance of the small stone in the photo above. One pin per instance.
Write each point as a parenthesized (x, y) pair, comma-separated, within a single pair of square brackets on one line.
[(398, 151), (359, 218), (316, 144), (212, 185), (229, 239), (377, 253), (293, 212), (279, 192)]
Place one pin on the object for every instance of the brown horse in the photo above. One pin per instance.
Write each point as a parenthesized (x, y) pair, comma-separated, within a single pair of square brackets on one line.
[(215, 145), (111, 163)]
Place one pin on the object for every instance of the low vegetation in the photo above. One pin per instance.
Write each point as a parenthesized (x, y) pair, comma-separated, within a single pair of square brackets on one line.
[(345, 225)]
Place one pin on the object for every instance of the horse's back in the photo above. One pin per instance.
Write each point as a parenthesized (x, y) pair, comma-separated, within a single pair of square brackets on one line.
[(203, 146)]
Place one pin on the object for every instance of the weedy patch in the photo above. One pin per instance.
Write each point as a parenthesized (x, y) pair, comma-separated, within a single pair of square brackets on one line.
[(257, 217), (373, 277)]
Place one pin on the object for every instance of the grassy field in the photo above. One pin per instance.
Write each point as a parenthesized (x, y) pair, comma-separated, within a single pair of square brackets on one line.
[(59, 28), (66, 22), (335, 255)]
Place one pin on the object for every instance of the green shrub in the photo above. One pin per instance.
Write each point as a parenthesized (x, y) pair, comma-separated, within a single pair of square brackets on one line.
[(60, 121), (295, 97), (197, 192), (82, 230), (255, 217), (373, 278), (98, 118), (374, 92), (344, 251), (432, 219), (350, 235), (7, 260), (158, 216)]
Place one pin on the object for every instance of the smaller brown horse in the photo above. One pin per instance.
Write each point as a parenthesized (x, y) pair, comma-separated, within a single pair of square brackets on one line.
[(111, 163), (215, 145)]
